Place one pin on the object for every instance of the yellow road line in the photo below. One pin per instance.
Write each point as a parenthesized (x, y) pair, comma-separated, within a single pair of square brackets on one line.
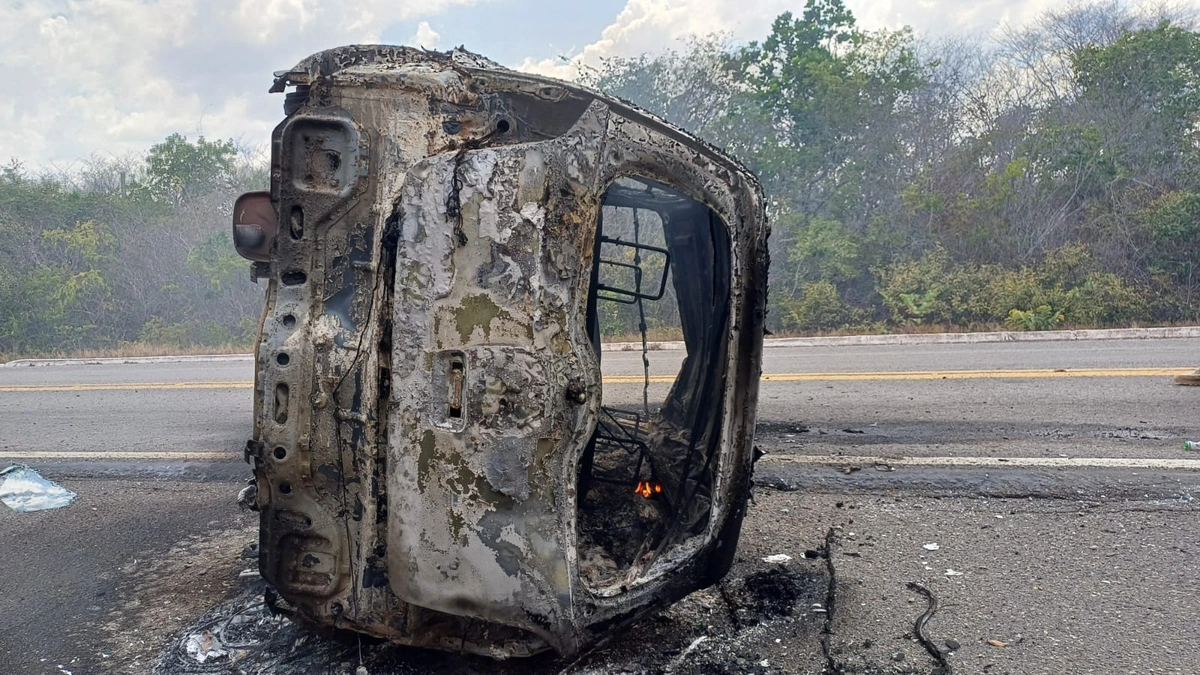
[(149, 455), (661, 379)]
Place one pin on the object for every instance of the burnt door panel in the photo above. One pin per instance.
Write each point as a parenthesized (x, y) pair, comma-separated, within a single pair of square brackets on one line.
[(495, 385)]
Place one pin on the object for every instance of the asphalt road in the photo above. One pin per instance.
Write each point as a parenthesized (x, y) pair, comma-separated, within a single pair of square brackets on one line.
[(1051, 475), (1008, 402)]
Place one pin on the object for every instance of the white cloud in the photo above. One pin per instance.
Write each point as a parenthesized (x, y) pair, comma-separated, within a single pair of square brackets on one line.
[(115, 76), (425, 36), (942, 16), (652, 25)]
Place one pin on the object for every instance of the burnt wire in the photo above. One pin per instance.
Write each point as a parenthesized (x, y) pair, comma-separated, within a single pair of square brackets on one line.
[(631, 443), (607, 432), (388, 248), (219, 633), (637, 281), (218, 627), (453, 199), (944, 667)]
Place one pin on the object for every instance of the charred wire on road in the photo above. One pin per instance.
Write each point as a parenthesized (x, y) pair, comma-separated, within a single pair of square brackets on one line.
[(942, 666), (832, 665)]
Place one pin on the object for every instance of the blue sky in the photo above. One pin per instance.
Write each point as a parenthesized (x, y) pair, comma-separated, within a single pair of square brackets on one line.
[(109, 78)]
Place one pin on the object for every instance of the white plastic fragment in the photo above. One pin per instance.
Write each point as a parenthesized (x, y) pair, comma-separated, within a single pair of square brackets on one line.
[(778, 559), (203, 646), (690, 648), (953, 573), (931, 547), (23, 490)]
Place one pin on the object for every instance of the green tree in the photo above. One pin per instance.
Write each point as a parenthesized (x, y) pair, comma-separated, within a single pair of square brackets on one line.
[(215, 261), (178, 170)]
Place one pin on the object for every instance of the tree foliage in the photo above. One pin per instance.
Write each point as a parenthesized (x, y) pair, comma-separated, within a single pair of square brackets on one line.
[(1044, 179), (177, 170), (123, 251)]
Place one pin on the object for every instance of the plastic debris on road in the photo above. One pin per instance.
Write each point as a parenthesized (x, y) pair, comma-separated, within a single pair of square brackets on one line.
[(931, 547), (203, 646), (23, 490), (953, 573), (778, 559), (1191, 445)]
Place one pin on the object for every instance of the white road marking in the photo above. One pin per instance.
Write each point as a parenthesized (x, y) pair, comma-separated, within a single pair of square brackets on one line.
[(767, 378), (995, 462), (811, 460), (169, 456)]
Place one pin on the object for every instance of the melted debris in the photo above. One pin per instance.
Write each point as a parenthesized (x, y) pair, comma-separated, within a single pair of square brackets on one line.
[(729, 629)]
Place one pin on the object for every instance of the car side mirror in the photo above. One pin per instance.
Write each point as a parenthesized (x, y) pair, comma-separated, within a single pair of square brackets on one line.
[(254, 226)]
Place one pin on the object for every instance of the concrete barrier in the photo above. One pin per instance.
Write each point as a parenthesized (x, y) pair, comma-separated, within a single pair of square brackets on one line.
[(946, 338)]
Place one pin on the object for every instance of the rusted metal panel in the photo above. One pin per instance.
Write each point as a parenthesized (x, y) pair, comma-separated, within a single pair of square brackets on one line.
[(428, 394)]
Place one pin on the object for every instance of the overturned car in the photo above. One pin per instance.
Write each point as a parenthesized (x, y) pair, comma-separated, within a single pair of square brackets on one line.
[(443, 456)]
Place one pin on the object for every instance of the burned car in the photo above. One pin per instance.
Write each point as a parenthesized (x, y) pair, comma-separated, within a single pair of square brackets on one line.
[(439, 459)]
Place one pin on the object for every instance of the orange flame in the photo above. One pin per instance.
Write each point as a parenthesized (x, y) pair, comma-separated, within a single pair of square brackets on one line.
[(648, 489)]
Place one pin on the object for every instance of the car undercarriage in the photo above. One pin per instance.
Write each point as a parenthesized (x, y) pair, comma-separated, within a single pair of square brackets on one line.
[(451, 249)]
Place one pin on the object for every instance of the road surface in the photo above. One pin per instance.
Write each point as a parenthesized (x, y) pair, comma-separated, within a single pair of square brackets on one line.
[(1103, 399), (1050, 474)]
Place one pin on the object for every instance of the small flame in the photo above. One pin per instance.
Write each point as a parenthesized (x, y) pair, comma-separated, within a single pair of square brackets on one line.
[(647, 488)]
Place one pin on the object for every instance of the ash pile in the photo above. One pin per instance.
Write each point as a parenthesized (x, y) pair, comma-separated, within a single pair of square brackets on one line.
[(764, 618)]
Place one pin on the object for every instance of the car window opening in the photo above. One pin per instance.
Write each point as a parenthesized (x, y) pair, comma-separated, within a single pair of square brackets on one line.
[(660, 272)]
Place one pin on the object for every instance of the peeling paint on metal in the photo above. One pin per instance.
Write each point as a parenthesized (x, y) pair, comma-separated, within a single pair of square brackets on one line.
[(442, 385)]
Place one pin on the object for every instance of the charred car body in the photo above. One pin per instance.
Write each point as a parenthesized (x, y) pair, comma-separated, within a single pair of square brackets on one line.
[(438, 459)]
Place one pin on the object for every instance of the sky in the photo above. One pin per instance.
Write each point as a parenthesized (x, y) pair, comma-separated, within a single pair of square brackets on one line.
[(99, 78)]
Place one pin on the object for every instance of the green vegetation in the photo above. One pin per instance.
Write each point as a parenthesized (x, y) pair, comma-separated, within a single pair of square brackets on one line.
[(1044, 180), (1047, 179), (127, 255)]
